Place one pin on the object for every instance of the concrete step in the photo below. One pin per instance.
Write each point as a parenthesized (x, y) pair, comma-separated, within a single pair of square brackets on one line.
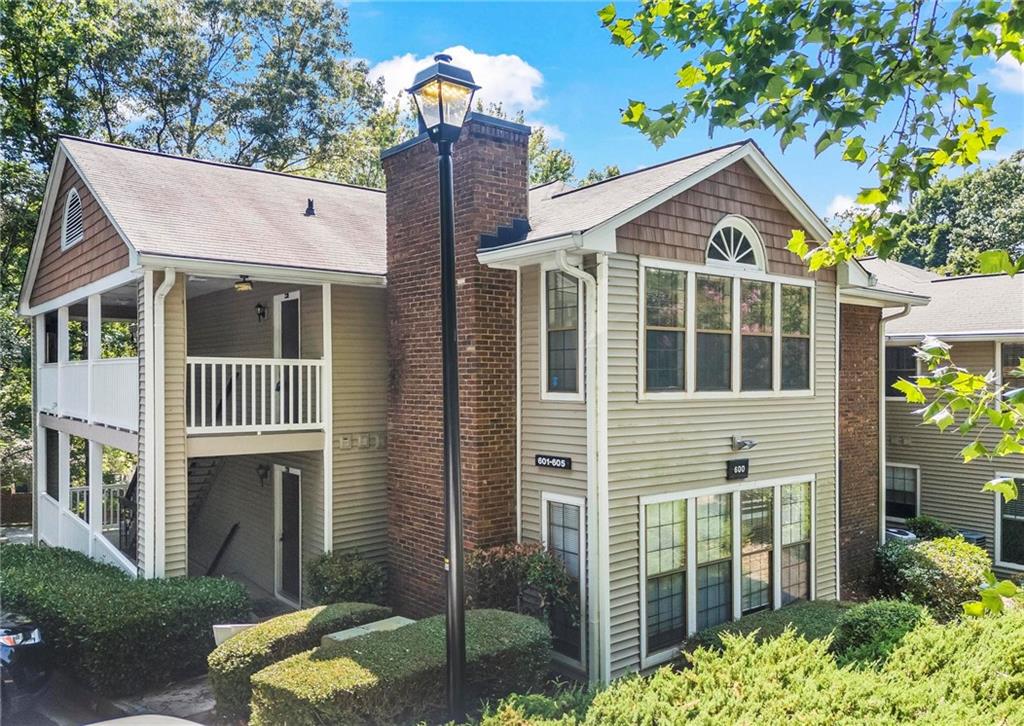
[(392, 623)]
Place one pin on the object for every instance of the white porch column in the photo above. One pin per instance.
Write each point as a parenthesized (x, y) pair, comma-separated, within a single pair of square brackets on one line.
[(62, 355), (95, 491), (93, 336), (327, 409), (64, 479)]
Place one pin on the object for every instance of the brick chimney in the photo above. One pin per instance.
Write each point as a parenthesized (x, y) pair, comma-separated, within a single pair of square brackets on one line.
[(490, 163)]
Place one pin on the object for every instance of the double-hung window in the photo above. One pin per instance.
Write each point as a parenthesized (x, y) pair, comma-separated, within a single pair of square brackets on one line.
[(901, 495), (1010, 356), (665, 329), (713, 556), (714, 333), (563, 538), (562, 327), (756, 323), (899, 363), (796, 337), (1010, 530)]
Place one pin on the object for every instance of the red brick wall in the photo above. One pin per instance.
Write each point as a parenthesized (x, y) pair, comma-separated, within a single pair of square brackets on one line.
[(858, 446), (490, 190)]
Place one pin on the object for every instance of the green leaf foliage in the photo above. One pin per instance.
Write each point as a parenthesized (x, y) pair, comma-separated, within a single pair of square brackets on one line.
[(336, 576), (894, 82), (234, 661), (927, 527), (398, 676), (810, 619), (868, 633), (522, 577), (114, 633)]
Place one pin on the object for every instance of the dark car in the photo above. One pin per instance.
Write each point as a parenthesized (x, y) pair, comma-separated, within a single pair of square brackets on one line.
[(24, 665)]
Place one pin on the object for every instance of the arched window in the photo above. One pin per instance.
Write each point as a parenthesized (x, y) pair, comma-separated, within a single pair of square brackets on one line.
[(72, 228), (735, 242)]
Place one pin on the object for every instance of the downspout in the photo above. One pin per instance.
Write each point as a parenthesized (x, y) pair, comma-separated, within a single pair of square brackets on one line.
[(159, 436), (881, 415), (593, 512)]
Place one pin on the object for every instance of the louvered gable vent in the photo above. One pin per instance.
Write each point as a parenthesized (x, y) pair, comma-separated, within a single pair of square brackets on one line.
[(73, 227)]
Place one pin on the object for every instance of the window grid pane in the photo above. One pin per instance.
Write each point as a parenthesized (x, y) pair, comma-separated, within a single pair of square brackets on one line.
[(899, 363), (665, 320), (756, 510), (900, 492), (1011, 529), (665, 550), (714, 594), (796, 541), (562, 302), (714, 333), (714, 555), (1011, 355), (564, 544), (796, 337), (666, 610)]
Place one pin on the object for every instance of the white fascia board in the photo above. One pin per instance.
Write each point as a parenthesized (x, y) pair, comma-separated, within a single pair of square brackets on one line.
[(42, 224), (978, 336), (271, 273), (528, 253), (857, 295)]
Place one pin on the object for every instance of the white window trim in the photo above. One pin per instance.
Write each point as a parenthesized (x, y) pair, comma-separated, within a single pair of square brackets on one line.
[(999, 360), (998, 546), (279, 470), (545, 498), (747, 228), (65, 243), (917, 371), (917, 490), (690, 362), (545, 394), (278, 299), (649, 660)]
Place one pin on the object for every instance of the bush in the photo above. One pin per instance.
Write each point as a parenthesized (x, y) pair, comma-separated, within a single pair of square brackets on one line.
[(939, 574), (345, 577), (523, 578), (566, 706), (811, 619), (233, 662), (926, 527), (117, 634), (398, 676), (869, 633)]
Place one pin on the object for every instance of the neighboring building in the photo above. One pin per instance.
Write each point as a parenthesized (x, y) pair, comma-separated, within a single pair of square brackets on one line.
[(982, 318), (651, 383)]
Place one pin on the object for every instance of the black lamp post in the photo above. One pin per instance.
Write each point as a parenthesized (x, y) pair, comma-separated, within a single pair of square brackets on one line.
[(443, 95)]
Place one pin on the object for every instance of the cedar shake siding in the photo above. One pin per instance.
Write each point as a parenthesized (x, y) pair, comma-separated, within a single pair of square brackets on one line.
[(859, 496), (490, 190), (102, 252), (679, 229)]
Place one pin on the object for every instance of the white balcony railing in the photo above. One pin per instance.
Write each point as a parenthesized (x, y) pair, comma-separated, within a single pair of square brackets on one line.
[(111, 507), (228, 395), (99, 391)]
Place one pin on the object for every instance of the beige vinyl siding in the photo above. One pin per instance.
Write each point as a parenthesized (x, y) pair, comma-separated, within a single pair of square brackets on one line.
[(360, 393), (238, 495), (950, 489), (175, 462), (140, 484), (673, 446), (548, 427)]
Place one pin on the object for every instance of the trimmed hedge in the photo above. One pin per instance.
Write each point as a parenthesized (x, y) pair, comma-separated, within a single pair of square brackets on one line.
[(939, 574), (117, 634), (927, 527), (941, 675), (234, 661), (811, 619), (868, 633), (398, 676), (345, 577)]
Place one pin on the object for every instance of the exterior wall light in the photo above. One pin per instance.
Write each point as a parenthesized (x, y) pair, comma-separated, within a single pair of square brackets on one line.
[(243, 284), (261, 312)]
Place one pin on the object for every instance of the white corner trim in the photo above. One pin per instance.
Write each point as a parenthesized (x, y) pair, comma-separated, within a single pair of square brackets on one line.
[(327, 394), (519, 405)]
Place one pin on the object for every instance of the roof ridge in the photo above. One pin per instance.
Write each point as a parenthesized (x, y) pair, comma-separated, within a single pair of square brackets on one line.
[(210, 162), (971, 276), (713, 149)]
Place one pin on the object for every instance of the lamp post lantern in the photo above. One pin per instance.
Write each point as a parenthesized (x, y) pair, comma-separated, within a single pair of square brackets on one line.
[(443, 94)]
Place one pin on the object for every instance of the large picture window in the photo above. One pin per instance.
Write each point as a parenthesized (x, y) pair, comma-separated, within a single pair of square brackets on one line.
[(562, 307), (756, 316), (665, 329), (1010, 530), (900, 491), (796, 337), (713, 556), (714, 333), (899, 363)]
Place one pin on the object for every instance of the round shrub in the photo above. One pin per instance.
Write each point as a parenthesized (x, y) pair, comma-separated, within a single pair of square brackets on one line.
[(234, 661), (926, 527), (345, 577), (564, 705), (869, 633), (939, 574), (523, 578), (811, 619)]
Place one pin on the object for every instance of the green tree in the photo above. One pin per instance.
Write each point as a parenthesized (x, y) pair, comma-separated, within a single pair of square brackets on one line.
[(950, 224), (893, 83), (595, 175)]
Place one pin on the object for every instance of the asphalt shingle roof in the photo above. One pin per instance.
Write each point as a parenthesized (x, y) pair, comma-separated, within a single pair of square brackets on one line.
[(963, 305), (180, 207)]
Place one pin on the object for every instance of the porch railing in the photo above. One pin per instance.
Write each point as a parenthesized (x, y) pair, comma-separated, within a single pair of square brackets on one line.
[(111, 508), (102, 391), (229, 395)]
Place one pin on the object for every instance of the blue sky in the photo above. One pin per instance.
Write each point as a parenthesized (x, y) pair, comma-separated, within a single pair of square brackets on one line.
[(555, 61)]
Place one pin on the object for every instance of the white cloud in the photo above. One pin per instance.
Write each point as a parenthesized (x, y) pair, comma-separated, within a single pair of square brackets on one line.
[(1009, 74), (504, 78), (839, 204)]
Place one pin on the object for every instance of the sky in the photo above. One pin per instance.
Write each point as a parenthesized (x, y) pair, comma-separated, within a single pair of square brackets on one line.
[(554, 61)]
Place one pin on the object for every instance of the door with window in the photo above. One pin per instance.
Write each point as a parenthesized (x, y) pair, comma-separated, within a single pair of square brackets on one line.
[(289, 534), (287, 345), (564, 537)]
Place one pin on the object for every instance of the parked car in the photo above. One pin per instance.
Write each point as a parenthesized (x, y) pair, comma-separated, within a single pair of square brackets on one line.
[(24, 666)]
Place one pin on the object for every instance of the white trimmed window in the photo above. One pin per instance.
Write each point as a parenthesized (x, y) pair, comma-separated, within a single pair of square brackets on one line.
[(72, 227), (900, 362), (902, 491), (716, 555), (562, 352), (1010, 528), (564, 536)]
